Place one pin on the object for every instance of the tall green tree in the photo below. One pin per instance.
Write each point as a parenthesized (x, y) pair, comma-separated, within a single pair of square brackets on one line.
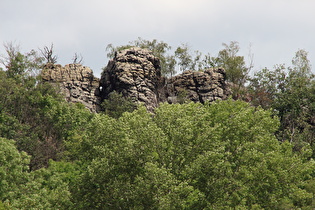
[(184, 57), (19, 65), (218, 156), (41, 189), (235, 66), (127, 166), (229, 152), (290, 92), (188, 60), (33, 113), (266, 84), (13, 168), (295, 104)]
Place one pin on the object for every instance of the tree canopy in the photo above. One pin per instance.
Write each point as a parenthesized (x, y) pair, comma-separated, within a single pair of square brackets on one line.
[(229, 154)]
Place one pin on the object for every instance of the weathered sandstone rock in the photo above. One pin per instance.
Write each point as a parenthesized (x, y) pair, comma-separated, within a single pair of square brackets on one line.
[(136, 74), (76, 82), (197, 86)]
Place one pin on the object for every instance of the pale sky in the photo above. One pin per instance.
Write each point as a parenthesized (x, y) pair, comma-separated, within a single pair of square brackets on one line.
[(275, 29)]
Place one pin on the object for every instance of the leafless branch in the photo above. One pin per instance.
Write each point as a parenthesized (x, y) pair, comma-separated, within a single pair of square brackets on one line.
[(48, 54), (77, 59)]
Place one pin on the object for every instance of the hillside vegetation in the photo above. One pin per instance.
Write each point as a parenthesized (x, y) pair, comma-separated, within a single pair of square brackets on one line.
[(252, 151)]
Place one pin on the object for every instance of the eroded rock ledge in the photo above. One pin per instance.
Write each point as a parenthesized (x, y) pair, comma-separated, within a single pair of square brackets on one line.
[(136, 73), (197, 86), (76, 82)]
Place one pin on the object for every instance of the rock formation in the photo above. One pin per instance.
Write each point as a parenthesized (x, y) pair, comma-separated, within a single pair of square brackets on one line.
[(76, 82), (136, 74), (198, 86)]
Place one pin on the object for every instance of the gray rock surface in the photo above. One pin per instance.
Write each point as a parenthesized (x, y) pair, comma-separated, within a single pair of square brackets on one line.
[(197, 86), (136, 74), (76, 82)]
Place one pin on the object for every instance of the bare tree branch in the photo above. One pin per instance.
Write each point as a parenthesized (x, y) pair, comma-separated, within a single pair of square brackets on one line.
[(48, 54), (77, 59)]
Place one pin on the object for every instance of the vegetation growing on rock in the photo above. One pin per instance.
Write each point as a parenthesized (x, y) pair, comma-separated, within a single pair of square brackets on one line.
[(227, 154)]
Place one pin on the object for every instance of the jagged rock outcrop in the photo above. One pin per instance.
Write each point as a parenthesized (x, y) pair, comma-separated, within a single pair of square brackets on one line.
[(136, 74), (77, 82), (197, 86)]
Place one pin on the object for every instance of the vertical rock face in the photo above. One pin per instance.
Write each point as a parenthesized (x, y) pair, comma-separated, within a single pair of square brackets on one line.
[(136, 74), (197, 86), (76, 82)]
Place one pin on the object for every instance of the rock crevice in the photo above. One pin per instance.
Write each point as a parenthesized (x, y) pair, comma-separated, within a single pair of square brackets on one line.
[(136, 74), (76, 82)]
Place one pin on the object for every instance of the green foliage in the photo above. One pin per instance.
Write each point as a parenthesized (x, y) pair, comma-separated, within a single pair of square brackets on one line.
[(223, 155), (47, 188), (36, 117), (127, 157), (235, 66), (116, 105), (182, 96), (265, 85), (20, 65), (13, 167), (192, 127), (2, 206), (187, 60), (290, 92)]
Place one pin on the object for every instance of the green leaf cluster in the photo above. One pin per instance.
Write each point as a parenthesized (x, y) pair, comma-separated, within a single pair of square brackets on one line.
[(223, 155), (36, 116), (117, 104), (191, 156), (290, 93)]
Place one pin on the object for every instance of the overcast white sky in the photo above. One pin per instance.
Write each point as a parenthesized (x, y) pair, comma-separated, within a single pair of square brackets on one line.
[(276, 29)]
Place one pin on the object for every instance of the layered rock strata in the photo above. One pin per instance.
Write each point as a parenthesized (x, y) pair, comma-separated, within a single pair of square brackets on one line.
[(136, 74), (197, 86), (76, 82)]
